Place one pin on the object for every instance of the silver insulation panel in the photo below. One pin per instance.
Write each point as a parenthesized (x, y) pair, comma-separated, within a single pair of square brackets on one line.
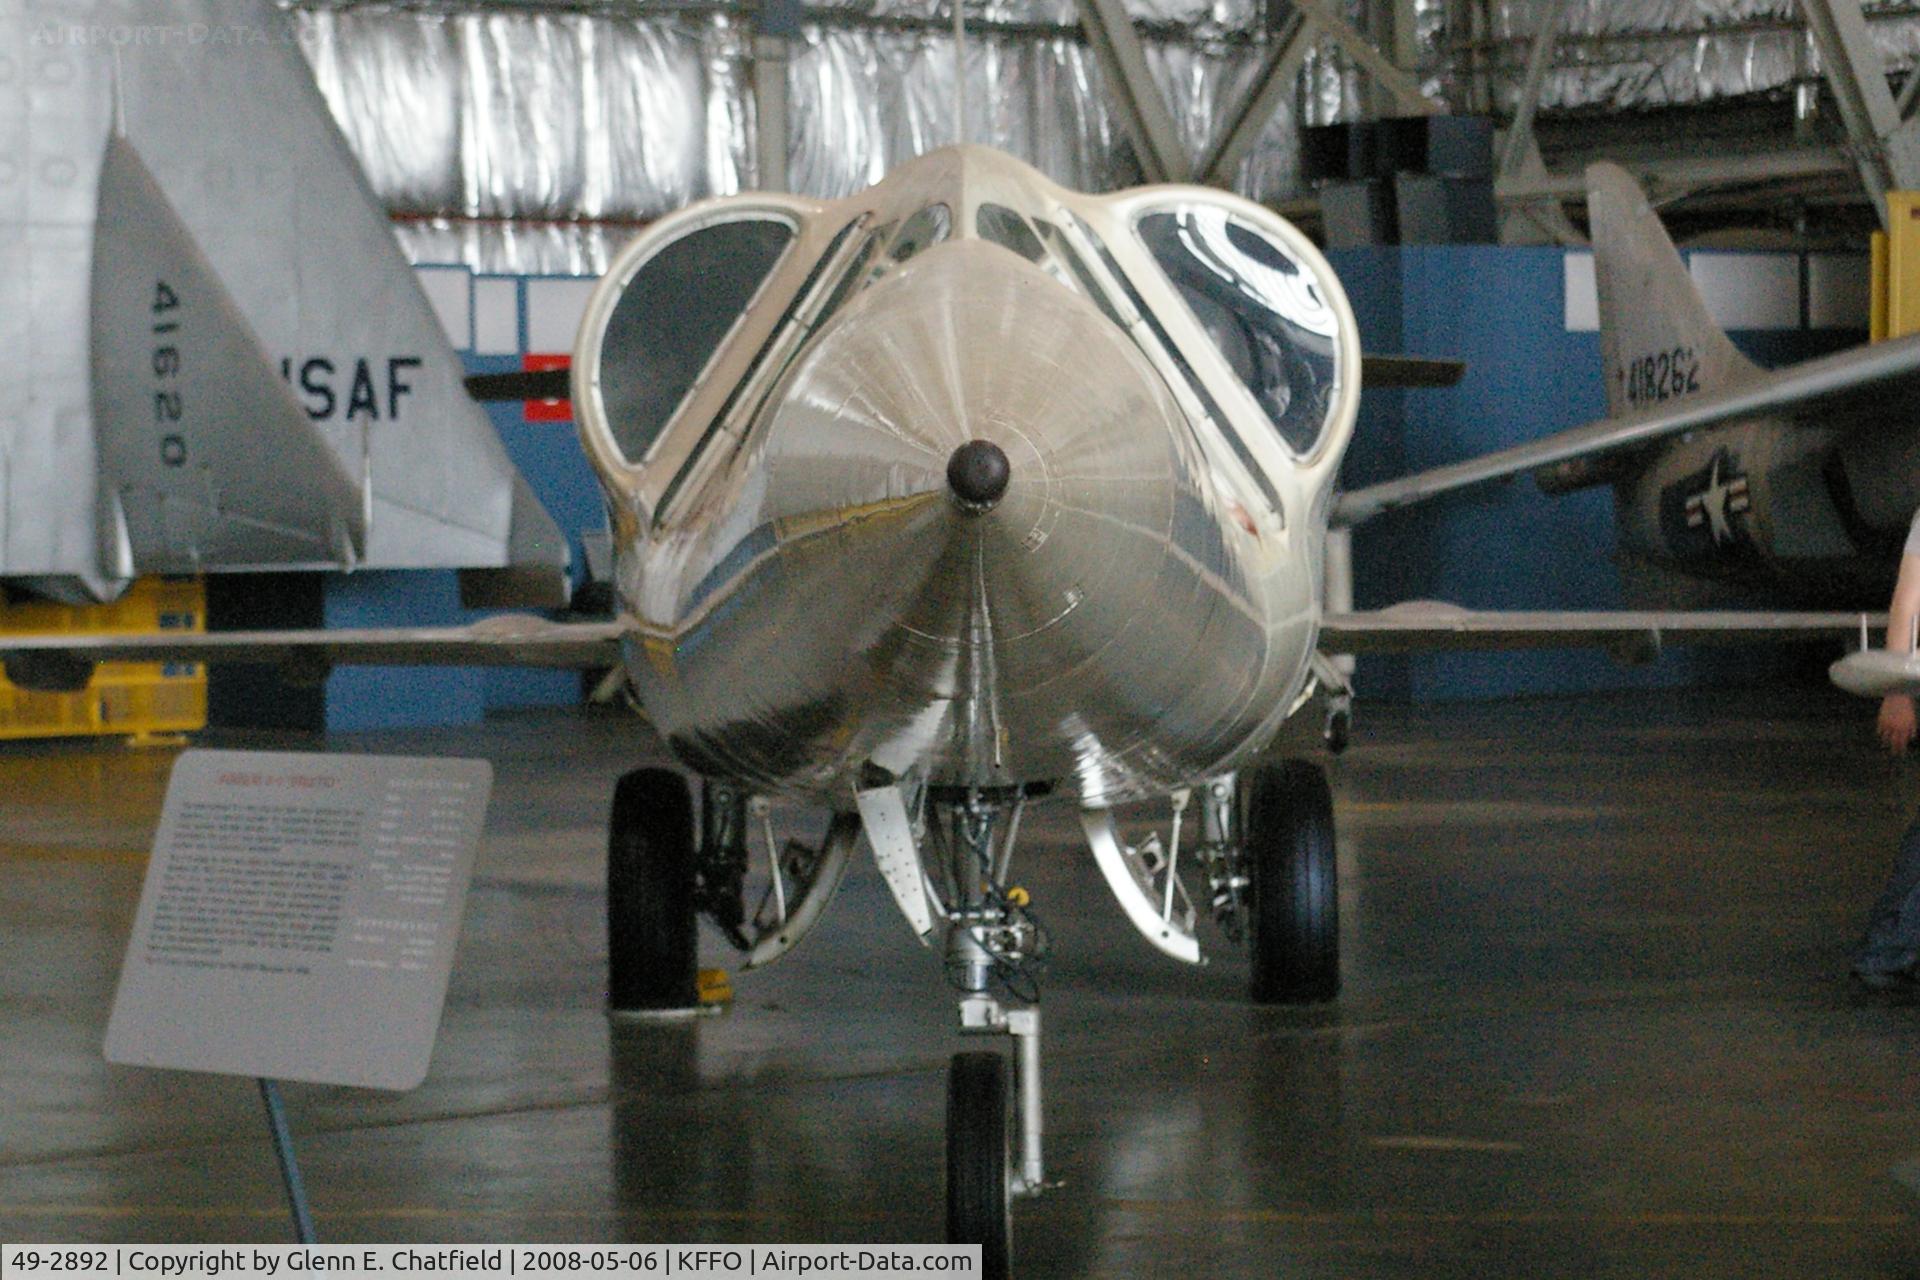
[(1627, 54), (533, 138), (545, 119), (530, 141)]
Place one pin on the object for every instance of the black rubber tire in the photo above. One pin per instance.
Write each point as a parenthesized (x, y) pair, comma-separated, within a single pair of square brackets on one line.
[(979, 1160), (1287, 827), (652, 939)]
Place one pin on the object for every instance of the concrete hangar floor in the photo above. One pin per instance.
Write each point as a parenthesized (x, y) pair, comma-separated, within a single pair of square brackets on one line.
[(1595, 1023)]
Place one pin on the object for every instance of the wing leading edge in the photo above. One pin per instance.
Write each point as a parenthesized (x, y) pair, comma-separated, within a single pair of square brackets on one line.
[(1649, 306), (64, 663), (1639, 636)]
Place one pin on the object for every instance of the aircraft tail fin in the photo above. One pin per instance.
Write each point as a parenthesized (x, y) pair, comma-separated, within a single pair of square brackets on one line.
[(309, 331), (204, 455), (535, 575), (1657, 341)]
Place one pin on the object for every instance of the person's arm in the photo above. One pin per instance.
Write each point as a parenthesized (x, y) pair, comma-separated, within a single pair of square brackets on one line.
[(1897, 716)]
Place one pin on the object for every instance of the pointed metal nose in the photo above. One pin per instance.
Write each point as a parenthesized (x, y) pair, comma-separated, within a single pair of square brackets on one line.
[(977, 473)]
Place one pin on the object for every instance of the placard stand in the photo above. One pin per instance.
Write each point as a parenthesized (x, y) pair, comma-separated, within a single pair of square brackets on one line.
[(298, 922), (289, 1166)]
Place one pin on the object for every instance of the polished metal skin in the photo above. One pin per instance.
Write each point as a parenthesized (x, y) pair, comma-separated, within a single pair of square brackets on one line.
[(811, 598)]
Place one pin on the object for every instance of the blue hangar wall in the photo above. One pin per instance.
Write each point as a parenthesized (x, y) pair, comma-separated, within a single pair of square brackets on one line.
[(1525, 322), (1522, 319)]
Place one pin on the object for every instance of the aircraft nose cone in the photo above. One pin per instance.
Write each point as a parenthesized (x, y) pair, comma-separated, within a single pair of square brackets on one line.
[(977, 473)]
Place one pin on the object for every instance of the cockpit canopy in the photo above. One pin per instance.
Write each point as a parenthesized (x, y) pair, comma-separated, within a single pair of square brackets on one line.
[(1265, 313), (676, 310), (703, 314)]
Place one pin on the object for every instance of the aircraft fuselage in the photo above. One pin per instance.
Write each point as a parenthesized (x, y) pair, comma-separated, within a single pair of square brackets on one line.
[(1770, 504), (814, 596)]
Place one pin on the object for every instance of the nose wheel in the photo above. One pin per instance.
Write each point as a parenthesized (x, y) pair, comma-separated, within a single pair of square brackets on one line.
[(993, 942), (980, 1159)]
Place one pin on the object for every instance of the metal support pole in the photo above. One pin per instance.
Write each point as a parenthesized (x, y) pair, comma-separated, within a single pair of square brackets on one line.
[(1406, 33), (1886, 150), (1274, 81), (289, 1167), (1479, 33), (776, 25), (1539, 59), (959, 71), (1336, 585), (1143, 109), (1390, 25), (1404, 89), (770, 111)]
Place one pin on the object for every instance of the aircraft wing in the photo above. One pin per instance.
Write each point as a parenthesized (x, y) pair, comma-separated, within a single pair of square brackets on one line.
[(1862, 384), (64, 663), (1422, 626)]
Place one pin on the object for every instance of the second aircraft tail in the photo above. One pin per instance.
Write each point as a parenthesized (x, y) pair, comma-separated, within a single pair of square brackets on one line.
[(1657, 341)]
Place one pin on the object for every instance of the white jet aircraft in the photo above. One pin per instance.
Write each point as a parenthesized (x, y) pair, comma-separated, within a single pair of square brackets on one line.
[(964, 493), (219, 360)]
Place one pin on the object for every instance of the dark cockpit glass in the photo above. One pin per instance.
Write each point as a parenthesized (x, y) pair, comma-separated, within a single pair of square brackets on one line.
[(672, 318), (1006, 228), (1264, 311), (922, 231), (1061, 249)]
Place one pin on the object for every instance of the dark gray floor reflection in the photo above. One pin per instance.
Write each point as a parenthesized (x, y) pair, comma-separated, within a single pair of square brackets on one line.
[(776, 1155), (1300, 1081), (654, 1071), (1594, 1023)]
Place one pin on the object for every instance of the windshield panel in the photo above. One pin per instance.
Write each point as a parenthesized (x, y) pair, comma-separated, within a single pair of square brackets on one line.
[(673, 316), (1264, 311), (1009, 230)]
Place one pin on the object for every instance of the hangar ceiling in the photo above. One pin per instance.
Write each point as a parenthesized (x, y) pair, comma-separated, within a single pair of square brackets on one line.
[(534, 136)]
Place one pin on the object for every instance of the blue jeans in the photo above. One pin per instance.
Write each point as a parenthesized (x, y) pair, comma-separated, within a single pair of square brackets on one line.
[(1892, 941)]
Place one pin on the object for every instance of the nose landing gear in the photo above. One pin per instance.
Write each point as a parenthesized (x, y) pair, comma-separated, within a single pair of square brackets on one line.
[(1265, 849), (993, 1133), (993, 941)]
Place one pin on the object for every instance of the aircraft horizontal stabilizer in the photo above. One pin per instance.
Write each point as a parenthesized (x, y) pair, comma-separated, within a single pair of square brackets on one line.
[(54, 662), (205, 457), (1862, 386), (1422, 626)]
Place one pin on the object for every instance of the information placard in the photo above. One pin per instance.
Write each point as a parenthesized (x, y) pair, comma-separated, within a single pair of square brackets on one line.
[(300, 915)]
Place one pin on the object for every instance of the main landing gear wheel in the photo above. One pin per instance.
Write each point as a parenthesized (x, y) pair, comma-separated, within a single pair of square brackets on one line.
[(980, 1160), (652, 942), (1295, 919)]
